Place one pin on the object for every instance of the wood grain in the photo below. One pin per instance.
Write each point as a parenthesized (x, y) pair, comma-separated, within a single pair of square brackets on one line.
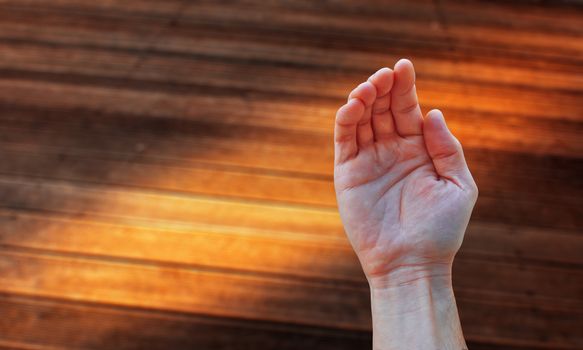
[(476, 129), (243, 296), (166, 169), (180, 331)]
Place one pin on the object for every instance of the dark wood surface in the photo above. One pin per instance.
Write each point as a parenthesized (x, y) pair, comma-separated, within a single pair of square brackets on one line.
[(166, 169)]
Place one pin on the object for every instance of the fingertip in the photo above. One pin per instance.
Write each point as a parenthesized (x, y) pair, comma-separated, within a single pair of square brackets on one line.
[(404, 76), (382, 80), (356, 105), (366, 92), (350, 112), (435, 113), (403, 62), (404, 65), (435, 119), (381, 72), (437, 135)]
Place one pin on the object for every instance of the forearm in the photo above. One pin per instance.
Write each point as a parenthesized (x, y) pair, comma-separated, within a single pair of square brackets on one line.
[(414, 308)]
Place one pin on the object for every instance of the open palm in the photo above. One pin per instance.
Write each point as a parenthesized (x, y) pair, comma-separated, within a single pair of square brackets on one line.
[(404, 190)]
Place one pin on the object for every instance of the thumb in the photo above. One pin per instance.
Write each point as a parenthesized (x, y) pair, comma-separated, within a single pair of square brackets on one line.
[(445, 150)]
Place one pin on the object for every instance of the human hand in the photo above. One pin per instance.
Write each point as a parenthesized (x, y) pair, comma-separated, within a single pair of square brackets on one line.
[(404, 191)]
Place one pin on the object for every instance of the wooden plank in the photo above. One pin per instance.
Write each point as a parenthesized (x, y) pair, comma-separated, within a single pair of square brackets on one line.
[(317, 19), (471, 34), (206, 292), (253, 297), (525, 16), (122, 137), (322, 60), (463, 69), (127, 7), (516, 14), (168, 210), (322, 19), (188, 213), (203, 178), (512, 187), (489, 325), (182, 39), (261, 148), (62, 324), (520, 212), (290, 254), (516, 175), (86, 59), (475, 97), (495, 70), (273, 16), (10, 345), (491, 207), (513, 133), (522, 242)]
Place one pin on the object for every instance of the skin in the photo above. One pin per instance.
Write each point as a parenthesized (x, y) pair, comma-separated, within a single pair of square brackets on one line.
[(405, 195)]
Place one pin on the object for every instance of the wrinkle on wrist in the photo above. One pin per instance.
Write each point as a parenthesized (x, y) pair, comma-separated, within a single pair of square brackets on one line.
[(408, 275)]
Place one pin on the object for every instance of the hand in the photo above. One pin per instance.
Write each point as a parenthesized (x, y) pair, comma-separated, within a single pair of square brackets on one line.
[(404, 190)]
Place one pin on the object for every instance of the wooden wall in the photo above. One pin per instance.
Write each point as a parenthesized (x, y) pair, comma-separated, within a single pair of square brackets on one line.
[(166, 169)]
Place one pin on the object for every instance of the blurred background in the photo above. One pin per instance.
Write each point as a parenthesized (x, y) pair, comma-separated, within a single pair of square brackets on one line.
[(166, 168)]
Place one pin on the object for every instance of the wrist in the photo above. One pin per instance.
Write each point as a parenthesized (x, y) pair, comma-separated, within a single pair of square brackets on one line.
[(408, 276), (414, 307), (413, 289)]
